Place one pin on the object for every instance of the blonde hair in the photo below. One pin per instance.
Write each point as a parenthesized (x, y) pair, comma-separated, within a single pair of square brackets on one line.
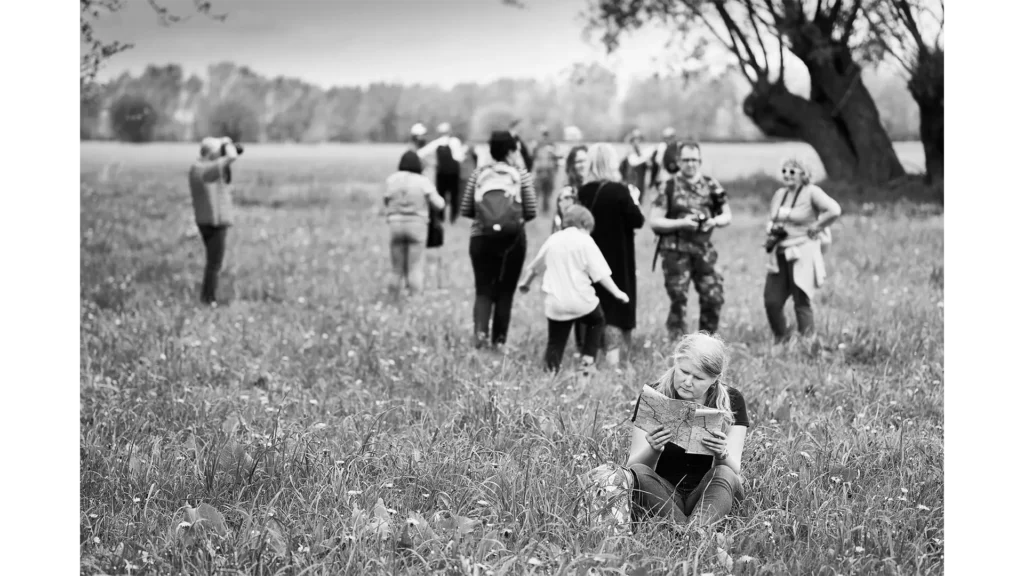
[(709, 355), (602, 164), (803, 164), (579, 217)]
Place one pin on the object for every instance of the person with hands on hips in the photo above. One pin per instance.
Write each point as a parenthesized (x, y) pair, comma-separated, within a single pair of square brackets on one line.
[(669, 482)]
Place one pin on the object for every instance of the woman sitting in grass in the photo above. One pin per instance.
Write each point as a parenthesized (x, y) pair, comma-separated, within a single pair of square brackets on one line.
[(668, 482)]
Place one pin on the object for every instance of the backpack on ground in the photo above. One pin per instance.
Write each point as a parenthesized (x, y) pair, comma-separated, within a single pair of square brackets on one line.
[(498, 199), (446, 163)]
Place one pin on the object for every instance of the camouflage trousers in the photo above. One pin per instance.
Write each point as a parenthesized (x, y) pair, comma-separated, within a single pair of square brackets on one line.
[(697, 263)]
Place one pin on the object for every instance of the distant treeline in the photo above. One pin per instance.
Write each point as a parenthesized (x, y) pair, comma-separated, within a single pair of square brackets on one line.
[(163, 105)]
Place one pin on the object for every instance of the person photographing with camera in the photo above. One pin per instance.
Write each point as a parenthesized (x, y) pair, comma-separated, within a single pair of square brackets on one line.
[(687, 209), (209, 180), (796, 233)]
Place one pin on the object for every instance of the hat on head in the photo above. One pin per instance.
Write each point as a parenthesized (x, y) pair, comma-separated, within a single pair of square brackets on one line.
[(444, 127), (209, 144), (668, 132), (418, 130)]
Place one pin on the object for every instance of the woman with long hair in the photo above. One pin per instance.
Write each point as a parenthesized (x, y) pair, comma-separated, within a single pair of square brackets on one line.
[(617, 216), (667, 481), (575, 163)]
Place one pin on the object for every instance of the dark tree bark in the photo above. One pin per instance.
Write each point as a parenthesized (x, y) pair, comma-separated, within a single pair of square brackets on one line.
[(781, 114), (837, 88), (927, 88)]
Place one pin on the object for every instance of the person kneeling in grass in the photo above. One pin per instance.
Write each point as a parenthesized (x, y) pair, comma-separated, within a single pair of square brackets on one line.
[(572, 264)]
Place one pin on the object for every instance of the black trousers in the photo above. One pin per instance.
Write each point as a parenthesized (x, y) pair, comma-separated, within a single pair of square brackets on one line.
[(777, 290), (214, 238), (558, 335), (448, 188), (497, 263)]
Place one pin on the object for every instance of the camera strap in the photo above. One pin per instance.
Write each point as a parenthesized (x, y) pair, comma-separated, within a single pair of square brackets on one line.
[(775, 218)]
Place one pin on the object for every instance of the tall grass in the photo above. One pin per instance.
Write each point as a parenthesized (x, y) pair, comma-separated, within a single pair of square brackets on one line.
[(330, 431)]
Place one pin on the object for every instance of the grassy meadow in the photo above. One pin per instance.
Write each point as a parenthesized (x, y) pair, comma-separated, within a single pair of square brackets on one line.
[(310, 426)]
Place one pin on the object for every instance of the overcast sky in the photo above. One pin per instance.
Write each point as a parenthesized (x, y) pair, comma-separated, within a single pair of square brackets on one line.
[(355, 42), (346, 42)]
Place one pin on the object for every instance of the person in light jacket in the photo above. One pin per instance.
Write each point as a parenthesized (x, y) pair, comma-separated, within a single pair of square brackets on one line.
[(209, 180)]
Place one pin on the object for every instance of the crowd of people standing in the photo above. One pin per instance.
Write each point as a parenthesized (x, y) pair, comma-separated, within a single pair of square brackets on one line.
[(589, 270), (519, 182)]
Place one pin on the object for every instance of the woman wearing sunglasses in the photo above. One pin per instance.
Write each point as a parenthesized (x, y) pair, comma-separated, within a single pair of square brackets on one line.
[(798, 224)]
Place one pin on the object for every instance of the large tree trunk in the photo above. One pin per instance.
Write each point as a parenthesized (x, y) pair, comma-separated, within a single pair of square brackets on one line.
[(837, 87), (781, 114), (927, 88)]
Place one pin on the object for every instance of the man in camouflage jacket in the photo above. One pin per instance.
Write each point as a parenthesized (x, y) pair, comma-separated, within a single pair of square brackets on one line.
[(688, 207)]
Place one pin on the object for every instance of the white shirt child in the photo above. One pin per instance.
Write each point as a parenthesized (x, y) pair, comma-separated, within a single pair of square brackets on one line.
[(573, 263)]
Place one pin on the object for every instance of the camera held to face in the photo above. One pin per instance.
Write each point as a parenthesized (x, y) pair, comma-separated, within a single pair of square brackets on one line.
[(775, 235), (224, 147)]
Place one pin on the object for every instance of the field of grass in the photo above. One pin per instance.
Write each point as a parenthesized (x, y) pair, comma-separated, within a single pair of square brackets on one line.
[(310, 427)]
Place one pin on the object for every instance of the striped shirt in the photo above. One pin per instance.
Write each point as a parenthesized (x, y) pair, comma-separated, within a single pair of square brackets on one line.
[(468, 206)]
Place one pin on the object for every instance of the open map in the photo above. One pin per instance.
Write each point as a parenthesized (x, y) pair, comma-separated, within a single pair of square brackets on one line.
[(689, 422)]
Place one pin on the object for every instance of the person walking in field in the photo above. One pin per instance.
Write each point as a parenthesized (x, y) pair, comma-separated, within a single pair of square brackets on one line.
[(500, 199), (633, 167), (444, 156), (575, 164), (545, 166), (660, 478), (687, 209), (572, 263), (209, 180), (617, 215), (801, 213), (470, 161), (521, 147), (427, 153), (566, 199), (664, 162), (408, 199)]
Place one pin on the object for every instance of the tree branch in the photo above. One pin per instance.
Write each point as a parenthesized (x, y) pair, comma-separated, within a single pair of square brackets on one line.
[(757, 30), (907, 17), (730, 25), (833, 15), (95, 51), (881, 37), (731, 44), (851, 19)]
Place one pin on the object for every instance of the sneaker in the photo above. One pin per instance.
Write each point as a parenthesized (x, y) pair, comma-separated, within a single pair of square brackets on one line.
[(612, 490), (481, 340), (587, 367)]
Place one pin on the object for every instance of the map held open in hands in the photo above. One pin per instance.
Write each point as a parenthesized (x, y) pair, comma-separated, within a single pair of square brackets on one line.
[(689, 422)]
